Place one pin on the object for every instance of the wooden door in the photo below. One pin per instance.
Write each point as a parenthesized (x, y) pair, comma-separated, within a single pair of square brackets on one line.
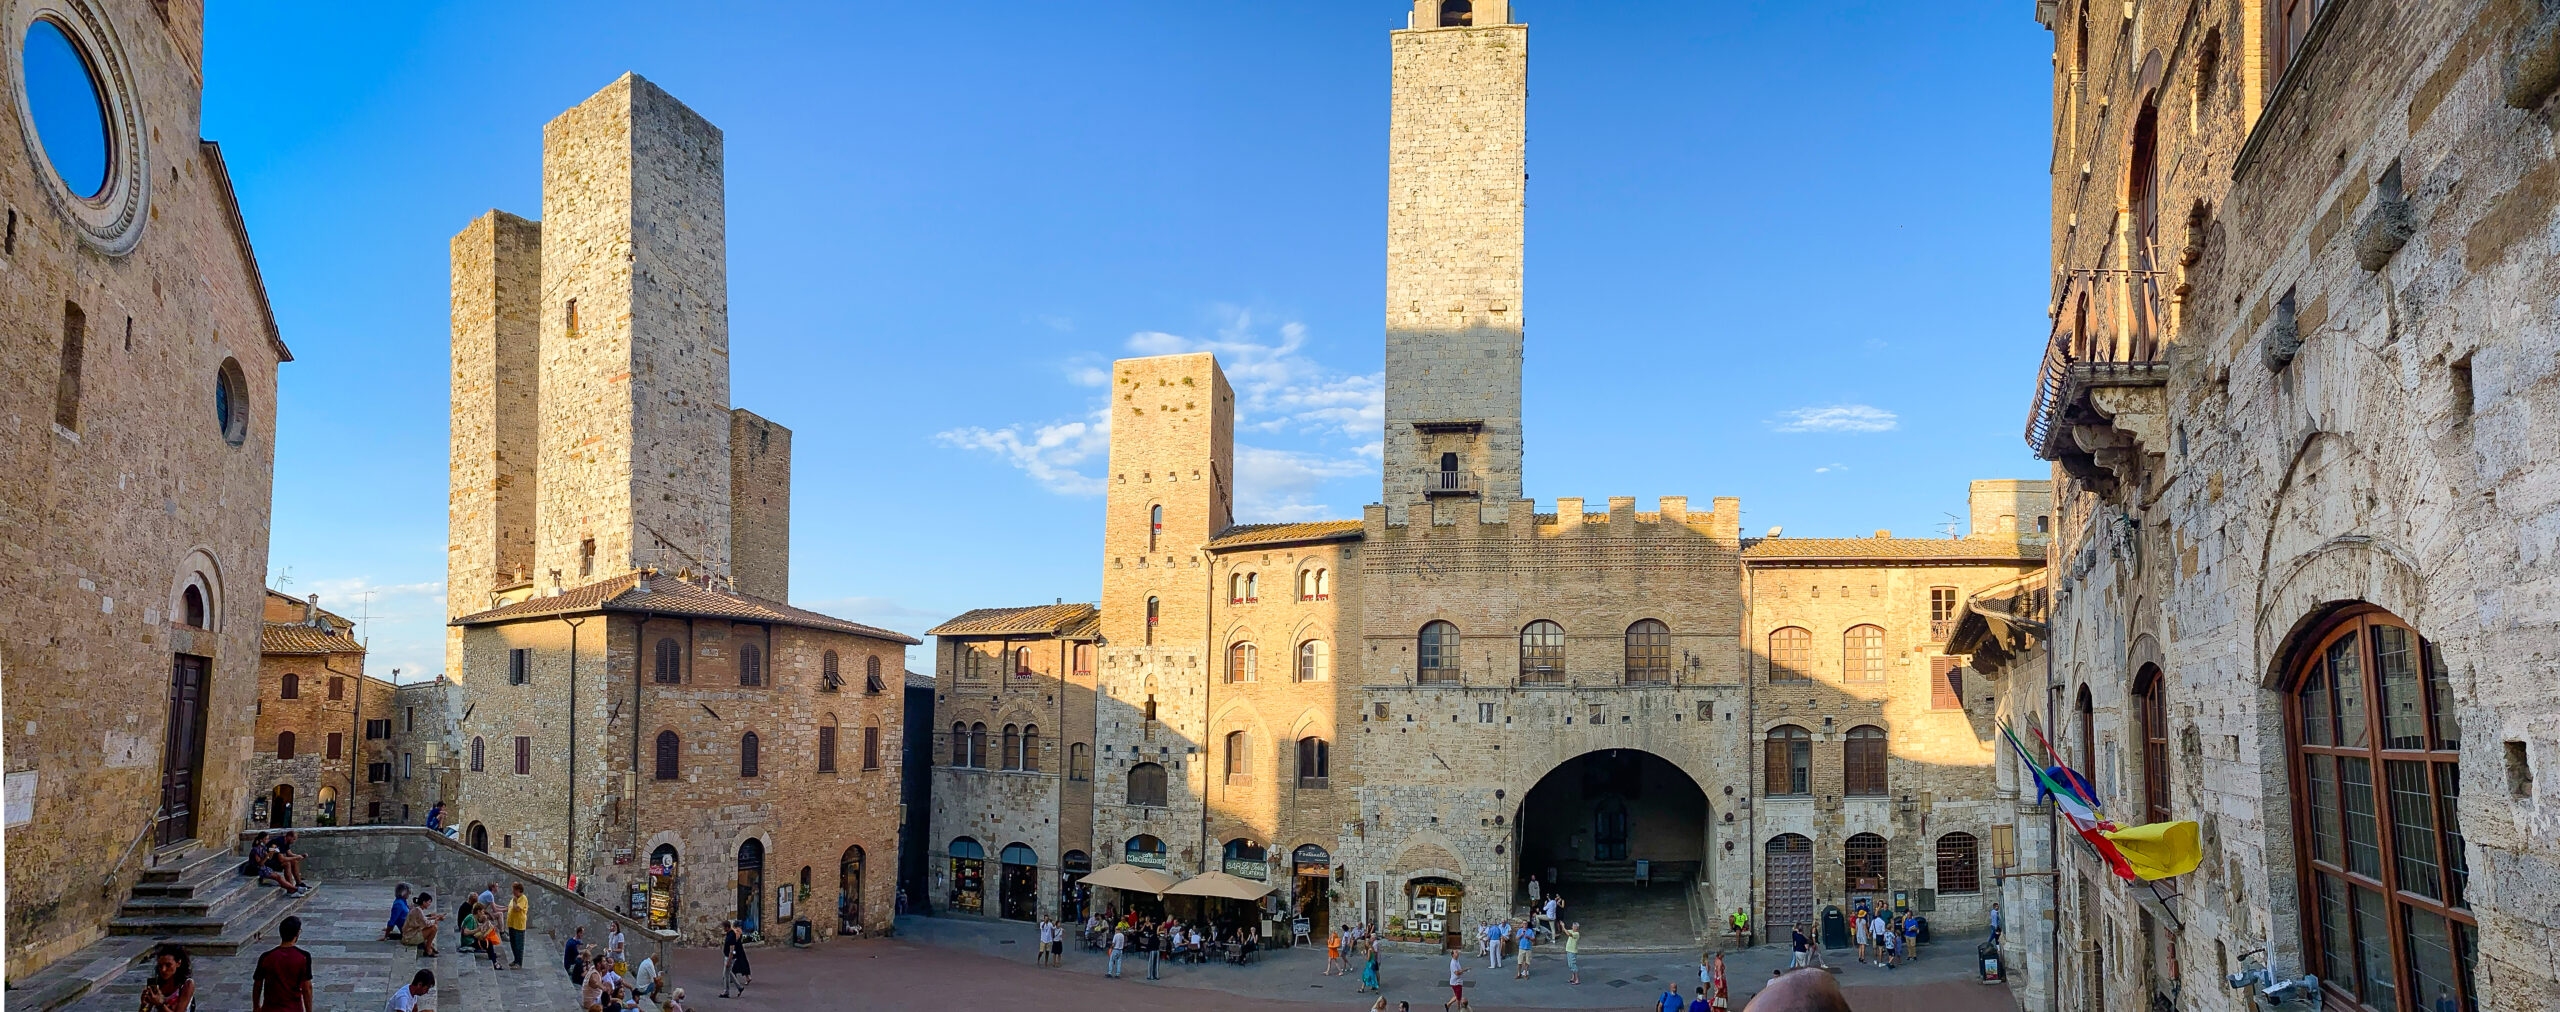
[(181, 751), (1788, 878)]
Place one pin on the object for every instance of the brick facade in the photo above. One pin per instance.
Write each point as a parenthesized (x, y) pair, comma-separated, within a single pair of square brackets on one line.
[(127, 491), (332, 706)]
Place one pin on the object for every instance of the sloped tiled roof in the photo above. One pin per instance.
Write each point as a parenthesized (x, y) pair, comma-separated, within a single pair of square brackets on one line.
[(1993, 549), (1036, 620), (919, 680), (297, 638), (666, 595), (1242, 535)]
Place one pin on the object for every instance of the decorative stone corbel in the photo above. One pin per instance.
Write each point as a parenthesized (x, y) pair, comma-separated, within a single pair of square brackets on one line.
[(2384, 230)]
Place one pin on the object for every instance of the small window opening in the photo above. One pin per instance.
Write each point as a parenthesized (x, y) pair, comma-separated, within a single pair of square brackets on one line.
[(1457, 13), (9, 240), (2519, 771), (573, 318), (587, 557), (2462, 388), (66, 387)]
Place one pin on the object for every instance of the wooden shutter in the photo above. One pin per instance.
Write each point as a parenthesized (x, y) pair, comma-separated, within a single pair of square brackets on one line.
[(524, 756), (1946, 683), (668, 755), (1779, 765), (826, 749), (870, 748)]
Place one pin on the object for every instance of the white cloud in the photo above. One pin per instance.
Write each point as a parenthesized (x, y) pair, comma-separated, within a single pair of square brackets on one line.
[(1828, 468), (1048, 453), (1837, 418), (1273, 486), (402, 624), (1278, 386)]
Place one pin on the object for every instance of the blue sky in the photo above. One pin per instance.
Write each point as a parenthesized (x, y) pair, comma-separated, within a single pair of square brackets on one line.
[(1783, 251)]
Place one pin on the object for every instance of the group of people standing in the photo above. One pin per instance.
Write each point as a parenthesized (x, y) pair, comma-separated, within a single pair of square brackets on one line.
[(1885, 938)]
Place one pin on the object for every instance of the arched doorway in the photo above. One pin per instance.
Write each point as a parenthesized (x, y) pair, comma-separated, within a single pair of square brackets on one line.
[(1786, 873), (280, 809), (849, 891), (1018, 885), (968, 868), (1314, 879), (329, 806), (1623, 833), (662, 887), (478, 836), (1075, 901), (751, 887), (1432, 906)]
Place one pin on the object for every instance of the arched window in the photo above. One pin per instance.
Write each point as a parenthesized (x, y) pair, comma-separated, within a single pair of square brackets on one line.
[(1247, 859), (1252, 587), (978, 745), (827, 744), (1862, 762), (2086, 761), (871, 675), (747, 755), (959, 744), (1143, 850), (2142, 198), (2376, 794), (1314, 662), (1457, 14), (670, 756), (1154, 610), (1789, 760), (1146, 786), (1240, 662), (1959, 864), (1862, 654), (1012, 747), (750, 665), (1864, 856), (191, 607), (1079, 761), (1436, 653), (479, 753), (1148, 710), (292, 685), (669, 666), (1648, 653), (830, 673), (2152, 707), (1022, 664), (284, 745), (1315, 762), (1235, 588), (1790, 651), (1031, 748), (1542, 652), (1155, 526), (1324, 584), (1239, 757)]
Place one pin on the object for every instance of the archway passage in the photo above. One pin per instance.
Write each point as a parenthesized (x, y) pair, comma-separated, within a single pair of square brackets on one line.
[(1622, 834), (280, 810), (849, 891)]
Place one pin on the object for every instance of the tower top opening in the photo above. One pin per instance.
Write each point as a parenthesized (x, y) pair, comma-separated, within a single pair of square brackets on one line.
[(1460, 13)]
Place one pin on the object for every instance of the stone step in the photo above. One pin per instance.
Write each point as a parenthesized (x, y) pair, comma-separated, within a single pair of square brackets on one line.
[(214, 901), (239, 922), (69, 980), (201, 872)]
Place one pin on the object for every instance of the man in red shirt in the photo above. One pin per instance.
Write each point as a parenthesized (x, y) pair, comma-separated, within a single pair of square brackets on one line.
[(283, 979)]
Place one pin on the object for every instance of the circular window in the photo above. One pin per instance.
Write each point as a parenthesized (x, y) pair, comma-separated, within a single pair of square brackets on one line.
[(70, 114), (231, 402)]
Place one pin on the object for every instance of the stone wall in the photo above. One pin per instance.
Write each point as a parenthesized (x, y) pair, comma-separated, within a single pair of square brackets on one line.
[(760, 505), (497, 318), (319, 779), (124, 485), (1020, 681), (1457, 185)]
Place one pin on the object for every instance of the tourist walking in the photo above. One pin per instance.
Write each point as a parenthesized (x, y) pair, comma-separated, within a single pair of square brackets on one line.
[(1573, 952), (1796, 942), (1995, 924), (1858, 930), (1040, 952), (282, 980), (1333, 964), (1670, 1001), (1369, 972), (173, 986), (1910, 937), (519, 914), (1883, 942), (733, 956), (1527, 936), (1457, 983), (1716, 988), (1119, 945)]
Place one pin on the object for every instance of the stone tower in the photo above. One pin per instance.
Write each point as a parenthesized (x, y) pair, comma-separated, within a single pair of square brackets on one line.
[(497, 291), (760, 510), (1456, 193), (1171, 488), (634, 396)]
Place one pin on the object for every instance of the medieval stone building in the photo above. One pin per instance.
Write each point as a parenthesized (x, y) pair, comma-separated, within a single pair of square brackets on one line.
[(324, 754), (645, 714), (141, 366), (2295, 395), (1405, 718)]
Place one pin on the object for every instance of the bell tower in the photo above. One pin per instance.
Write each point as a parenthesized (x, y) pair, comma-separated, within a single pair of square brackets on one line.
[(1457, 189)]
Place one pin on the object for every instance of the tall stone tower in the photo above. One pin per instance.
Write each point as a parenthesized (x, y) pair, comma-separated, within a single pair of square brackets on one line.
[(497, 293), (1457, 183), (635, 341), (760, 511)]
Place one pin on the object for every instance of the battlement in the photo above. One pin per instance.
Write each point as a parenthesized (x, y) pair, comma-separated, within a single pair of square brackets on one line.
[(1520, 519)]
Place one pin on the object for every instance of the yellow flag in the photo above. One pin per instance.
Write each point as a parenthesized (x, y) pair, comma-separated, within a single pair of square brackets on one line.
[(2160, 850)]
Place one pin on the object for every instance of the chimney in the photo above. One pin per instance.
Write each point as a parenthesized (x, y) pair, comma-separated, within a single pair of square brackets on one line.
[(1884, 534), (311, 610), (641, 585)]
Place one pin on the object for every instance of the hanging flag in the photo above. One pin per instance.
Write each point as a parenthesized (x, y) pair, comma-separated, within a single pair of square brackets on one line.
[(2161, 849), (2080, 811)]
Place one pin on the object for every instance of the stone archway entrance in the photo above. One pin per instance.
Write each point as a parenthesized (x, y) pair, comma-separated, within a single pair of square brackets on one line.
[(1623, 835)]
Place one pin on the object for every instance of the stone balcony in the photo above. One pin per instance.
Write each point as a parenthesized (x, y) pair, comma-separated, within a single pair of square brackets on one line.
[(2102, 412)]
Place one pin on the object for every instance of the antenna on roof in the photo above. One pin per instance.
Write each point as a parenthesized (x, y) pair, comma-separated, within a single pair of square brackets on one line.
[(1954, 523)]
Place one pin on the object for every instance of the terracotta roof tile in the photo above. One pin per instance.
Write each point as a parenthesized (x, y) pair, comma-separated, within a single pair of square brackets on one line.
[(666, 595), (297, 638), (1998, 549), (1039, 620), (1242, 535)]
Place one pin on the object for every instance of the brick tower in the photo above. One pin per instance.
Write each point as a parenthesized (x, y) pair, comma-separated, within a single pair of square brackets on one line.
[(1456, 191), (635, 341)]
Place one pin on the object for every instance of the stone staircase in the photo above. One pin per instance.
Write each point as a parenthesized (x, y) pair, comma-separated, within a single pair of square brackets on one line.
[(192, 895)]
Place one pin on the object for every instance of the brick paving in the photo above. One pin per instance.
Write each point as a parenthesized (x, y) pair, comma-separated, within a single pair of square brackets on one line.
[(353, 970), (942, 963)]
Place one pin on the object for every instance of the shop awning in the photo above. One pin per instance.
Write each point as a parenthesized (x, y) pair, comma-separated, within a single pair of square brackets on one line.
[(1129, 877), (1220, 885)]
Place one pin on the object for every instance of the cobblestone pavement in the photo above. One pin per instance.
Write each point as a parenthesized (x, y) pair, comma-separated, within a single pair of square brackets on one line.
[(353, 970), (963, 963)]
